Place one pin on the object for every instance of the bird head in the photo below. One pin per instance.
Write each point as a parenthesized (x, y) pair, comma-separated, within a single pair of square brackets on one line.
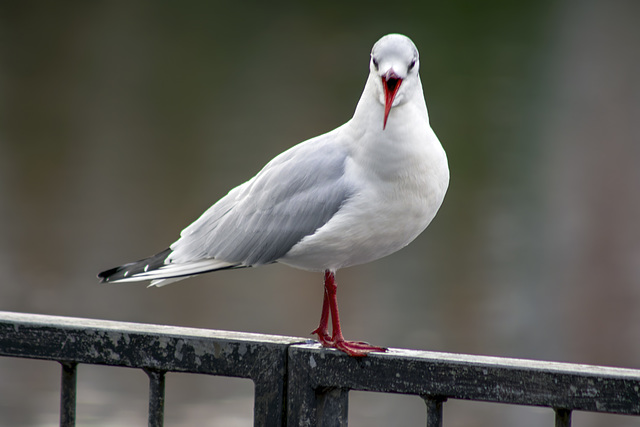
[(394, 64)]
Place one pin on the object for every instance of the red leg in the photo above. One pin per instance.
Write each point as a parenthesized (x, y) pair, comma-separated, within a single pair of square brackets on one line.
[(330, 306), (323, 328)]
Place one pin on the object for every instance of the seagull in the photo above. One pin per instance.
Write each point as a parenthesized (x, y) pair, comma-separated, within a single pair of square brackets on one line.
[(350, 196)]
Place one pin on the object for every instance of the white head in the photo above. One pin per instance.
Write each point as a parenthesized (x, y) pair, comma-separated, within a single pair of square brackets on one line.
[(395, 62)]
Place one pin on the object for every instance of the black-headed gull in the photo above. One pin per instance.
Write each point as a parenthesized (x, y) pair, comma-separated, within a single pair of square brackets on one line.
[(350, 196)]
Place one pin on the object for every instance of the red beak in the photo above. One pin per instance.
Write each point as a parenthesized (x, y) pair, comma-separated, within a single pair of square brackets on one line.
[(391, 83)]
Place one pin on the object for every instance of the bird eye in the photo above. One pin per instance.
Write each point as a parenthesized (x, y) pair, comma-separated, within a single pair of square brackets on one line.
[(375, 63), (413, 64)]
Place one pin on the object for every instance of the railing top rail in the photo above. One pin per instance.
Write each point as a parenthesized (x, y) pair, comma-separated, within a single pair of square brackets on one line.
[(481, 378), (107, 328), (77, 323), (501, 362), (136, 345)]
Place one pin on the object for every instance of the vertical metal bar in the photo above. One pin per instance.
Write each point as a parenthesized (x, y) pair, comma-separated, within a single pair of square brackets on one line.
[(269, 375), (68, 394), (434, 410), (269, 405), (301, 396), (332, 407), (563, 417), (308, 405), (156, 397)]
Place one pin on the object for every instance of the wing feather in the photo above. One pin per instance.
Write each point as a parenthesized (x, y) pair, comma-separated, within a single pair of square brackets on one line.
[(259, 221)]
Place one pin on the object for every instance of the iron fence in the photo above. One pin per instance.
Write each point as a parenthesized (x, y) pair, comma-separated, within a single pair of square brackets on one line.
[(298, 383)]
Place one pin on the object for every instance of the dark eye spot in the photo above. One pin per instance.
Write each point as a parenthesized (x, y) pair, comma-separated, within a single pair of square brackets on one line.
[(413, 64), (375, 63)]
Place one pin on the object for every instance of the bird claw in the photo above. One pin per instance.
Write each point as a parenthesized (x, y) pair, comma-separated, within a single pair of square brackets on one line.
[(352, 348), (357, 348), (323, 336)]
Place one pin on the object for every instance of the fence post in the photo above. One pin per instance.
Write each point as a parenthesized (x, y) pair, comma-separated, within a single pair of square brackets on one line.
[(332, 407), (308, 403)]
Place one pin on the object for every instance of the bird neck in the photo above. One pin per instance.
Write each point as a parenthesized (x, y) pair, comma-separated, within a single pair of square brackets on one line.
[(369, 113)]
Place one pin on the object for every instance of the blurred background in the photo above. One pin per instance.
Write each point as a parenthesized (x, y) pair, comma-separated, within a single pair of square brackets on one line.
[(121, 122)]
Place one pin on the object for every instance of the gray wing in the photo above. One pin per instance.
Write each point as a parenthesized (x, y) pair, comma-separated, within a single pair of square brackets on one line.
[(259, 221)]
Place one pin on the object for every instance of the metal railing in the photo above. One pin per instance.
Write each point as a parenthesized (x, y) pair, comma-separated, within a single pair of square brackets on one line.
[(298, 383)]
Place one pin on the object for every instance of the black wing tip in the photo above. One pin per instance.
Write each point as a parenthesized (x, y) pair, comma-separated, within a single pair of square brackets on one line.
[(130, 269), (113, 273), (106, 276)]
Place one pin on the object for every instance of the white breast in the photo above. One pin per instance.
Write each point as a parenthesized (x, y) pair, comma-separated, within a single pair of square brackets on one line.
[(399, 178)]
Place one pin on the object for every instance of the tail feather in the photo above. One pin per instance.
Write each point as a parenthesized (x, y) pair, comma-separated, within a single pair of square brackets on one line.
[(159, 272), (133, 268)]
